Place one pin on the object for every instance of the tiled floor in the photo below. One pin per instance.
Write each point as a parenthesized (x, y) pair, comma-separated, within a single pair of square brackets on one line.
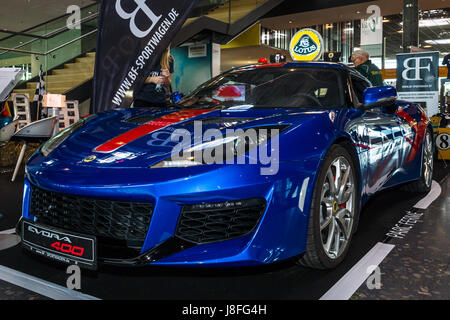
[(11, 292), (418, 267)]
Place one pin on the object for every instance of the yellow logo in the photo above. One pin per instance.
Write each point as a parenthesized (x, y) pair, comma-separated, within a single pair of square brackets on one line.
[(335, 207), (90, 159), (306, 45)]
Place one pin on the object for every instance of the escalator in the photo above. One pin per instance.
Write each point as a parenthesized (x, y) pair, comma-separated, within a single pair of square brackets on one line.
[(226, 21)]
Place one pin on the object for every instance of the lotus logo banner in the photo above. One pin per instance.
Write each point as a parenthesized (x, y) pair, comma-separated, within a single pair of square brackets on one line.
[(132, 36), (306, 45)]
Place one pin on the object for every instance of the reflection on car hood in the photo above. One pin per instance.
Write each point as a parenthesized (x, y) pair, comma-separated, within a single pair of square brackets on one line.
[(144, 149)]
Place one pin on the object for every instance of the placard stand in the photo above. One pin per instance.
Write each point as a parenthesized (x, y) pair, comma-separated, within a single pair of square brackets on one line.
[(54, 103)]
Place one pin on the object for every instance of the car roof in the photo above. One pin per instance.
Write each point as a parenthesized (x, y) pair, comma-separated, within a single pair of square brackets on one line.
[(318, 64)]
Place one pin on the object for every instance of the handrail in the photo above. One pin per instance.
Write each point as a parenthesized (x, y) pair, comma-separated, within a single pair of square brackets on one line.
[(50, 51), (44, 23), (72, 41), (14, 33), (45, 37), (60, 30)]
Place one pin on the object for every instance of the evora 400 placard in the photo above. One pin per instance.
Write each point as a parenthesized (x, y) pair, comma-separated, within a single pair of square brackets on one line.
[(69, 248)]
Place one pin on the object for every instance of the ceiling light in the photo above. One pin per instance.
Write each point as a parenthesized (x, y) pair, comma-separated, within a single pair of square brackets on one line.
[(438, 41), (428, 23), (434, 22)]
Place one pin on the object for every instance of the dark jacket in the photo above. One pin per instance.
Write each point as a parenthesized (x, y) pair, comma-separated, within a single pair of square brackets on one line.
[(150, 92), (371, 72)]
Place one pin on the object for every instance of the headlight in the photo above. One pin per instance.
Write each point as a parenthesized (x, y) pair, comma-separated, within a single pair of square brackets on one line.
[(225, 149), (57, 140)]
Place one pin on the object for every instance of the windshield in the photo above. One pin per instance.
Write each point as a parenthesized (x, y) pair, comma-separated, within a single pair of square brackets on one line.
[(271, 87)]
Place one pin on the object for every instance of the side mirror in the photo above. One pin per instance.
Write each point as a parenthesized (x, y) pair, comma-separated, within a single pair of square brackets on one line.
[(377, 97), (176, 97)]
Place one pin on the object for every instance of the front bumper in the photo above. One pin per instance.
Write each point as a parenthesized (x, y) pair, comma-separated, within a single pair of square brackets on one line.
[(280, 233)]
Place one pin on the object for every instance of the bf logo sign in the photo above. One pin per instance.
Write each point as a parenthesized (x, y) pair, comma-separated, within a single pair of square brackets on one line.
[(141, 6), (413, 66)]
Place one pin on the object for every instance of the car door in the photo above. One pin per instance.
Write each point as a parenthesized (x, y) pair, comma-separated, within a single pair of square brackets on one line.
[(384, 138)]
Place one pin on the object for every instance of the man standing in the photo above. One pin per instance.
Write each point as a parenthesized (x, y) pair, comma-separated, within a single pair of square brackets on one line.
[(446, 62), (364, 65)]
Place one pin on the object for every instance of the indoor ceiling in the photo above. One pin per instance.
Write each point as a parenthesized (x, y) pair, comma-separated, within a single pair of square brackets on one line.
[(344, 13), (19, 15), (434, 32)]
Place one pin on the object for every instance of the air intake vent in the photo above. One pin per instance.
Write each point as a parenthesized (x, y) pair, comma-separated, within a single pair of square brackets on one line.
[(212, 222)]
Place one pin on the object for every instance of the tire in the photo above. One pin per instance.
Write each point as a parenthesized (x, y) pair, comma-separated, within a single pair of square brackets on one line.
[(322, 251), (423, 185)]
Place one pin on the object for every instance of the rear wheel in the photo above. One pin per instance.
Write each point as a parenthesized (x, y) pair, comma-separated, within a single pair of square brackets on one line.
[(423, 185), (334, 210)]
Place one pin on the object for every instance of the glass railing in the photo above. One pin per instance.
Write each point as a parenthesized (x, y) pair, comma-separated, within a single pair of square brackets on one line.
[(50, 44)]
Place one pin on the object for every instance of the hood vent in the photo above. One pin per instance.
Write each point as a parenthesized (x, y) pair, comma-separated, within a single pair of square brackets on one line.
[(142, 119)]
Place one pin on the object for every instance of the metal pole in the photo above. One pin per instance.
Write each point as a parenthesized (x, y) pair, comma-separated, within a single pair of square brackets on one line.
[(229, 13), (410, 24), (19, 161)]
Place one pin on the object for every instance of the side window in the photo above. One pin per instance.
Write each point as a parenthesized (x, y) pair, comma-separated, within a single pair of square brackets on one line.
[(359, 85)]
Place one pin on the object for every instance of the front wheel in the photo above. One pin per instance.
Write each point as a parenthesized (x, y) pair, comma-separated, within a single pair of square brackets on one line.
[(334, 210)]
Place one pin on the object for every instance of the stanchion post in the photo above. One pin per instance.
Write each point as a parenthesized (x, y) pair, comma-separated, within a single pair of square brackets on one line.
[(19, 161)]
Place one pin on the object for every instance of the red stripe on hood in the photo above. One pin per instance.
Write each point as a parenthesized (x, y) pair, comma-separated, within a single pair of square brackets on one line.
[(149, 127)]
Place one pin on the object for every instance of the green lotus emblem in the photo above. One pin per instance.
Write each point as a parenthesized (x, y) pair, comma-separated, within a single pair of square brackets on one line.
[(305, 46)]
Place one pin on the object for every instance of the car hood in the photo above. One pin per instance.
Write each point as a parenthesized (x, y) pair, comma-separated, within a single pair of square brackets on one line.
[(139, 138)]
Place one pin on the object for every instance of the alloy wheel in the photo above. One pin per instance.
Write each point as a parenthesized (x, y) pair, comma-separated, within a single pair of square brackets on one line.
[(337, 207)]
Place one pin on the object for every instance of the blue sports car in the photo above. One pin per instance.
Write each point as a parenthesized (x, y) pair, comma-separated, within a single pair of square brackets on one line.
[(260, 164)]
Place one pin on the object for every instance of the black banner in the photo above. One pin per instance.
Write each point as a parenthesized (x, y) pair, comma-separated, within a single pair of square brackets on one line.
[(132, 36)]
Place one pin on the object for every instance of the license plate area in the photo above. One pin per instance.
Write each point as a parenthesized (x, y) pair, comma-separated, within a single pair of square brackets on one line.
[(67, 247)]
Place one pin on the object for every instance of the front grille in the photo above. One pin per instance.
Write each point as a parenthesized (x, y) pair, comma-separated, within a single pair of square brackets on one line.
[(212, 222), (126, 222)]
